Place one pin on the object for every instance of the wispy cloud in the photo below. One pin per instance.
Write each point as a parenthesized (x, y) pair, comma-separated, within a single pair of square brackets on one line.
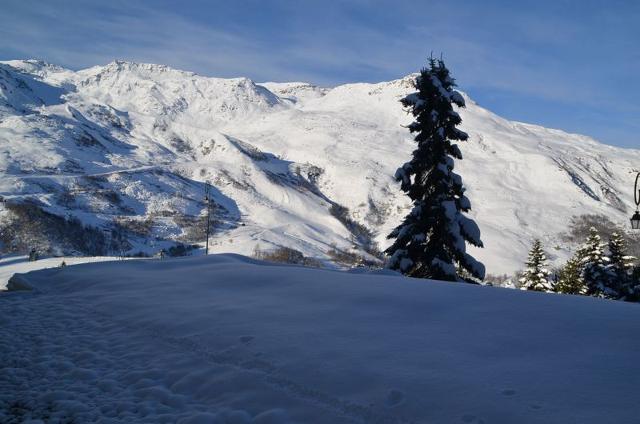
[(561, 52)]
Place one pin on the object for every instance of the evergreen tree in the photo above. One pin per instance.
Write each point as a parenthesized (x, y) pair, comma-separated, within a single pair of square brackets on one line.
[(431, 241), (620, 265), (594, 261), (536, 276), (570, 277), (633, 294)]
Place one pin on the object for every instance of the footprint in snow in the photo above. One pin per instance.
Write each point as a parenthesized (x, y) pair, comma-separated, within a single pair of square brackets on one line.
[(394, 398), (246, 339), (471, 419)]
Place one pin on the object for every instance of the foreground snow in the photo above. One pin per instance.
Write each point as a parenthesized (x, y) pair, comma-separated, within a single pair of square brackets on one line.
[(225, 339)]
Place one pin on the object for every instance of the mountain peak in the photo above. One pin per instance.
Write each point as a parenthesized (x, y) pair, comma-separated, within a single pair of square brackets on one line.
[(126, 146), (141, 69), (35, 67)]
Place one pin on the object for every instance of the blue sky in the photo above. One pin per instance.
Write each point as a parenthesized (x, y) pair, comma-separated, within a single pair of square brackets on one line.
[(573, 65)]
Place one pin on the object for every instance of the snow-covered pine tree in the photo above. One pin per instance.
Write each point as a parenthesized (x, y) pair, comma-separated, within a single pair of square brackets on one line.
[(570, 277), (536, 276), (634, 295), (594, 262), (431, 241), (620, 265)]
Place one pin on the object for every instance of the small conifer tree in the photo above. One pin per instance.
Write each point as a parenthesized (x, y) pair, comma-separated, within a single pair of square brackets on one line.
[(570, 277), (431, 241), (620, 265), (536, 276), (594, 261), (633, 294)]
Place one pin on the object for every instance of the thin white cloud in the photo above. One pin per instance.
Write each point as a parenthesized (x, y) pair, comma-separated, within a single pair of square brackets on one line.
[(333, 48)]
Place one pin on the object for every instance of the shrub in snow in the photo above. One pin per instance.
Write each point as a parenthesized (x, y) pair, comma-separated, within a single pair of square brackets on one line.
[(181, 249), (431, 241), (28, 224), (280, 254), (286, 255), (360, 234), (536, 276), (350, 258), (140, 227)]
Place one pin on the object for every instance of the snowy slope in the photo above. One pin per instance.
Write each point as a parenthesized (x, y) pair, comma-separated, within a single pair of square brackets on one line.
[(14, 264), (134, 142), (224, 339)]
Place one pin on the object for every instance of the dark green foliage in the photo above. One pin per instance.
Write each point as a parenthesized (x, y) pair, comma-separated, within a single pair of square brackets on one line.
[(620, 265), (595, 273), (570, 277), (430, 242), (633, 293)]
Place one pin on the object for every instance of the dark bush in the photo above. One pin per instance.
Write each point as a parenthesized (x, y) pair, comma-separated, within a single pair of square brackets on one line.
[(286, 255), (138, 227), (30, 226), (361, 235), (180, 250)]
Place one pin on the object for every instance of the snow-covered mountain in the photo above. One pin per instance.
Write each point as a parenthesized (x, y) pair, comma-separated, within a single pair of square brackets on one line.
[(125, 148)]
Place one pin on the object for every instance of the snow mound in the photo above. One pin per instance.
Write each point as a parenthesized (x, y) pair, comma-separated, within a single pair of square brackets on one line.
[(229, 339)]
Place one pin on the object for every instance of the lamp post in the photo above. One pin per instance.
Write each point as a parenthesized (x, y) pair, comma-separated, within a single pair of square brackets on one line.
[(635, 219)]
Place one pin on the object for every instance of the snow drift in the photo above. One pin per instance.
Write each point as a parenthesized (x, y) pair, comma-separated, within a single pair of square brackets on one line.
[(227, 339)]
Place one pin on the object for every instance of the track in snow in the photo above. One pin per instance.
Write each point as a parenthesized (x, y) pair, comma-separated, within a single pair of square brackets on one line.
[(61, 362)]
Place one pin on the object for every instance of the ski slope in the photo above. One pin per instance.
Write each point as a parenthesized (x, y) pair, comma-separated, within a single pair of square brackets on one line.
[(227, 339), (137, 141)]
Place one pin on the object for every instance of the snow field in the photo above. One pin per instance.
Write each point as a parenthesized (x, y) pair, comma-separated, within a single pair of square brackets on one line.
[(229, 339)]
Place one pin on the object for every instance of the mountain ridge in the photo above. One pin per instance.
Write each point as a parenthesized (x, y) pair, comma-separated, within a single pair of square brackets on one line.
[(283, 158)]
